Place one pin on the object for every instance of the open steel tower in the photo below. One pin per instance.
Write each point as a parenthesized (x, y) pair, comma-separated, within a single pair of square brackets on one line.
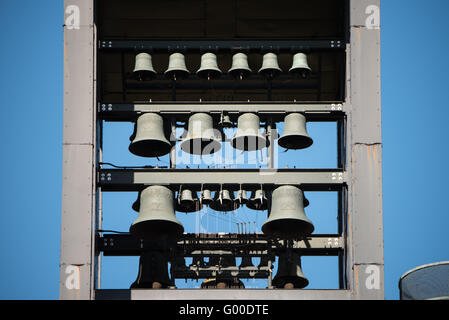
[(340, 39)]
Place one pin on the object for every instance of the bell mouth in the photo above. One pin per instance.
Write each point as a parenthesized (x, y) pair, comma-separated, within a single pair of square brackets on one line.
[(303, 72), (144, 75), (257, 205), (150, 148), (179, 74), (188, 208), (209, 73), (237, 73), (201, 146), (270, 73), (295, 142), (249, 143), (288, 228), (156, 229), (290, 282)]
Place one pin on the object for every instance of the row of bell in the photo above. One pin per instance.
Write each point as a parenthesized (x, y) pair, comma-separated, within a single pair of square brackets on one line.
[(224, 201), (209, 69), (153, 272), (157, 219), (201, 138)]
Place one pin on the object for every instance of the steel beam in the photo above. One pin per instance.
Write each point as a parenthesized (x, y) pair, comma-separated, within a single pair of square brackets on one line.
[(223, 294), (78, 261), (129, 112), (365, 262), (250, 45), (135, 180), (190, 245)]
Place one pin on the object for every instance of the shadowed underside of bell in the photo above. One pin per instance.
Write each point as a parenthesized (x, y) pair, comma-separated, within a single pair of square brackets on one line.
[(295, 142), (290, 282), (150, 148), (249, 143), (200, 146), (288, 228), (157, 228)]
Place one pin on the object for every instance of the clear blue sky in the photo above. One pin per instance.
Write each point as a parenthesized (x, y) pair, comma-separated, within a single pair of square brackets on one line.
[(414, 87)]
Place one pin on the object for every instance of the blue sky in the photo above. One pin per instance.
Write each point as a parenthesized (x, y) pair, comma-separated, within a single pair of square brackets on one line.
[(415, 112)]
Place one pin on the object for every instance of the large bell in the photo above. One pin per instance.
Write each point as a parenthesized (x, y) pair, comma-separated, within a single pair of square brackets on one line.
[(295, 134), (156, 217), (300, 65), (270, 66), (287, 217), (143, 69), (289, 274), (201, 137), (258, 200), (209, 67), (177, 67), (248, 136), (240, 68), (188, 202), (153, 271), (224, 201), (150, 140)]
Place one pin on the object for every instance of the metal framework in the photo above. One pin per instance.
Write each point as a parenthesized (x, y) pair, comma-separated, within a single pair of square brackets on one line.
[(358, 179)]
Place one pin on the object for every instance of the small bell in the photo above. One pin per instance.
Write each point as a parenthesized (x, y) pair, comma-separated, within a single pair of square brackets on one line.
[(258, 201), (143, 69), (209, 67), (300, 65), (177, 67), (240, 68), (270, 66)]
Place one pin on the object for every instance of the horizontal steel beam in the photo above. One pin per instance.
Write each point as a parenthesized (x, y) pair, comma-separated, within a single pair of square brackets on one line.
[(249, 179), (223, 294), (209, 45), (181, 111), (238, 245)]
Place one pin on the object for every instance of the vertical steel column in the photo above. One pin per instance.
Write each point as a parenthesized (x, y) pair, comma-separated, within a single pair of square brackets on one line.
[(364, 153), (78, 217)]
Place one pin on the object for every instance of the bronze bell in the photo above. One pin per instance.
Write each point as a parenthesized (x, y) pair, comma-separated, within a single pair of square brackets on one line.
[(156, 217), (287, 218), (153, 271), (188, 202), (295, 134), (248, 136), (143, 69), (224, 201), (148, 139), (258, 201), (289, 274), (201, 138)]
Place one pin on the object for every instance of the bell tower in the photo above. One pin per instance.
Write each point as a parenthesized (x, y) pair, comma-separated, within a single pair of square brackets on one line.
[(185, 74)]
